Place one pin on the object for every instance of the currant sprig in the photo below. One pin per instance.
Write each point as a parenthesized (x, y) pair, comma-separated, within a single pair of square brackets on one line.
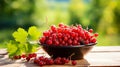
[(23, 41)]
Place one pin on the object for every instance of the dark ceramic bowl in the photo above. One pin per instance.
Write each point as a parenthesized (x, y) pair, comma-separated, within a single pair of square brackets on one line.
[(66, 51)]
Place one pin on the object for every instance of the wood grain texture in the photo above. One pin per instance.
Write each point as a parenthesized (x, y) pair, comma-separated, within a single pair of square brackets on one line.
[(108, 56)]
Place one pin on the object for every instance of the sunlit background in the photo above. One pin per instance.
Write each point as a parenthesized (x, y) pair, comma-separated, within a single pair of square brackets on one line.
[(101, 15)]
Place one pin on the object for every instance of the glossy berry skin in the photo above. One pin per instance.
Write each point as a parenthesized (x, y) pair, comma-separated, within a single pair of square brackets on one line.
[(74, 62), (91, 30), (46, 33), (41, 63), (53, 28), (34, 55), (93, 40), (41, 58), (63, 60), (57, 61), (51, 62), (49, 42), (86, 42), (96, 34), (36, 60), (23, 56), (30, 55), (64, 35), (27, 58), (42, 40), (67, 61), (61, 25)]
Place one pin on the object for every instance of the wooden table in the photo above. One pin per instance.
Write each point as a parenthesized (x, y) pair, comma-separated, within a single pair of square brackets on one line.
[(107, 56)]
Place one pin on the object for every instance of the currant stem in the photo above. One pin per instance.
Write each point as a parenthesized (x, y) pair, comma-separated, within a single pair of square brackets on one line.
[(71, 56)]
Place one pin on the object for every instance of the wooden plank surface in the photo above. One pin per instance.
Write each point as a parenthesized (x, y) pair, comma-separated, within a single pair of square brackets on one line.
[(106, 49), (98, 57), (104, 56)]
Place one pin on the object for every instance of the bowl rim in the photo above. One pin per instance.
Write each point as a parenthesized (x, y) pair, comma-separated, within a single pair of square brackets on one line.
[(88, 45)]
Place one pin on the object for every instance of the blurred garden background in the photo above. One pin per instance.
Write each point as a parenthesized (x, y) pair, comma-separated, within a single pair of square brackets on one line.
[(101, 15)]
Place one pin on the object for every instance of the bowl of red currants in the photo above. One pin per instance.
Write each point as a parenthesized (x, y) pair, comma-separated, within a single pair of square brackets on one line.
[(72, 42)]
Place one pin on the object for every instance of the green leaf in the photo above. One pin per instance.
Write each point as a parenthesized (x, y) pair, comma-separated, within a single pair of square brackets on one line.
[(21, 44), (34, 33), (18, 52), (30, 48), (22, 48), (20, 35), (11, 48), (34, 48)]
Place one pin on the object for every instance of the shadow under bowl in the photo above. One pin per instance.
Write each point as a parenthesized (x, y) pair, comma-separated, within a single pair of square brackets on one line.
[(66, 51)]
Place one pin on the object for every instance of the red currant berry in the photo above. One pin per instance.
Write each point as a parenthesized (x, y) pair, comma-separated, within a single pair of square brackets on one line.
[(90, 30), (27, 58), (56, 43), (70, 41), (23, 56), (59, 35), (65, 38), (34, 55), (67, 61), (42, 40), (46, 33), (96, 34), (53, 28), (86, 42), (51, 61), (93, 40), (74, 62), (36, 60), (41, 63), (49, 42), (57, 61), (61, 25), (75, 42), (30, 55), (41, 58)]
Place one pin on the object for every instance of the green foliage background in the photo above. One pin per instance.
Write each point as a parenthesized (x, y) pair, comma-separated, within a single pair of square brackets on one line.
[(101, 15)]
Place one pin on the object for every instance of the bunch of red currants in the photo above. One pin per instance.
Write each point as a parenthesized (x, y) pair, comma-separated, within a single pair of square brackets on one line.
[(49, 61), (42, 60), (64, 35), (24, 56)]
